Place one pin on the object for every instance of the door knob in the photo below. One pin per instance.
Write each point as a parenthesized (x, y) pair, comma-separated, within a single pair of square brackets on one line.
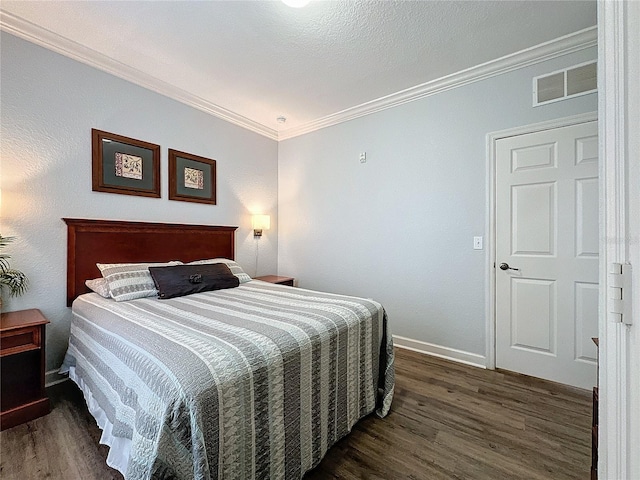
[(505, 266)]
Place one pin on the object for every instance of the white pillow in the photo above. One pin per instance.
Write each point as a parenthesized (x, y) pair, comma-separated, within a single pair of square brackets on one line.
[(233, 266), (128, 281), (100, 286)]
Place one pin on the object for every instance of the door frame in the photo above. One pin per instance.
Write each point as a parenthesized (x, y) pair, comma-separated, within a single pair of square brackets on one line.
[(490, 228), (618, 99)]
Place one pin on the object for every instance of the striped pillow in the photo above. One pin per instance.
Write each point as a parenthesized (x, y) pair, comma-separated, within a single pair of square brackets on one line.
[(233, 266), (128, 281)]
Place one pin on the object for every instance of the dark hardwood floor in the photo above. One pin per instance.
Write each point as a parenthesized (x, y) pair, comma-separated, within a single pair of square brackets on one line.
[(448, 421)]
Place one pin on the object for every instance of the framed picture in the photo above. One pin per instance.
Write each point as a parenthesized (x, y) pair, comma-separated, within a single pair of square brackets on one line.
[(191, 178), (124, 165)]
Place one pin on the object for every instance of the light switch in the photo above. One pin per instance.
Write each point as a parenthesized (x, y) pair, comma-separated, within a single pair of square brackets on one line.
[(363, 157), (477, 243)]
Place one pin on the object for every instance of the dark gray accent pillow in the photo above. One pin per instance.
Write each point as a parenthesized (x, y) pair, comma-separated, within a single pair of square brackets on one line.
[(180, 280)]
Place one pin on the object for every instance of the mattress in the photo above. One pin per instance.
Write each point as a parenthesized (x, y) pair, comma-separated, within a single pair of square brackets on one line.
[(252, 382)]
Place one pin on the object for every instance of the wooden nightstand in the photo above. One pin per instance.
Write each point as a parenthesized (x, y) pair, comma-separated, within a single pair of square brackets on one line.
[(22, 394), (277, 279)]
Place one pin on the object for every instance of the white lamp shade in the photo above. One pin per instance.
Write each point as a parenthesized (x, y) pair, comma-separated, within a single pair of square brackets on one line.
[(261, 222)]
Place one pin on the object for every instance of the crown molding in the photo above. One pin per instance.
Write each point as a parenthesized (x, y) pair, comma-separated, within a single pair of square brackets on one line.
[(567, 44), (45, 38), (33, 33)]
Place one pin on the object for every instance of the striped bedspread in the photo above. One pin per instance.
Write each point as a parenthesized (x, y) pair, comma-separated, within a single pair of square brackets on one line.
[(253, 382)]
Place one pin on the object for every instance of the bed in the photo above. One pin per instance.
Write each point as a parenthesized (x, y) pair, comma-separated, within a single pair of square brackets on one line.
[(252, 382)]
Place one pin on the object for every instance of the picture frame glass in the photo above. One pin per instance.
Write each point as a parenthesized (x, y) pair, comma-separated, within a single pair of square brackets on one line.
[(194, 178), (124, 165), (127, 165)]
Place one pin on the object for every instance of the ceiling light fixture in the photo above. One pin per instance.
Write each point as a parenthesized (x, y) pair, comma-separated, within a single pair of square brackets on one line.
[(281, 119), (296, 3)]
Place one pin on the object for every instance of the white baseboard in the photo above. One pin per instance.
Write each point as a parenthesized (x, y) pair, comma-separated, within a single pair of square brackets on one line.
[(439, 351), (52, 377)]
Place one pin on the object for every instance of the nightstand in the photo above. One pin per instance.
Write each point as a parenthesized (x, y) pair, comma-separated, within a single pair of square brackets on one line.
[(22, 394), (277, 279)]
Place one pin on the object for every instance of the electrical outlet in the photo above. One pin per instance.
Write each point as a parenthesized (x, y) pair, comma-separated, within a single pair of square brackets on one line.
[(477, 243)]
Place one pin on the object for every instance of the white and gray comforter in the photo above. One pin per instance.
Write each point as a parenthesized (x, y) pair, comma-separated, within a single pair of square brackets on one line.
[(253, 382)]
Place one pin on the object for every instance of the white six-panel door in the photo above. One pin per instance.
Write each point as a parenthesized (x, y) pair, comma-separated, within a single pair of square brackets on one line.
[(547, 229)]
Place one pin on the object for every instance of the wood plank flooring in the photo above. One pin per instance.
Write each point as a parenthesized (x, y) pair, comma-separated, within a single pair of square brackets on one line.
[(448, 421)]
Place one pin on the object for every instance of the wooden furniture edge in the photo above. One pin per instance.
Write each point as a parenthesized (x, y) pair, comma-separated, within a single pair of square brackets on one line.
[(23, 313), (277, 279), (24, 413)]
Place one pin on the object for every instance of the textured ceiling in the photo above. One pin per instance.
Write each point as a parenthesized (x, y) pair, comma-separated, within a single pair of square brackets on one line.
[(263, 59)]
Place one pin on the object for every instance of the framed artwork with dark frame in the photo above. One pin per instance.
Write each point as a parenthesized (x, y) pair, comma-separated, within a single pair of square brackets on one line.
[(191, 178), (124, 165)]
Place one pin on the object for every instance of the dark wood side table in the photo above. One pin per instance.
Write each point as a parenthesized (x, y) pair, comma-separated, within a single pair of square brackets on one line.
[(22, 361), (276, 279)]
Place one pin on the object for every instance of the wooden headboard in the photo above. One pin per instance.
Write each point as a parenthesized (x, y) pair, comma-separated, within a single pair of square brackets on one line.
[(107, 241)]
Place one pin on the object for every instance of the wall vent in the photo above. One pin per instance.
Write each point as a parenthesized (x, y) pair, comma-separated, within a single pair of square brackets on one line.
[(567, 83)]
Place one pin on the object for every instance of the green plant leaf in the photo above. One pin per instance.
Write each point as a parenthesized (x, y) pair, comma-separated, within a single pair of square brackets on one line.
[(15, 281), (12, 279)]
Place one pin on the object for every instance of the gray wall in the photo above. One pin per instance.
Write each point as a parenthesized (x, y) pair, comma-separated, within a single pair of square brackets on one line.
[(49, 105), (400, 227)]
